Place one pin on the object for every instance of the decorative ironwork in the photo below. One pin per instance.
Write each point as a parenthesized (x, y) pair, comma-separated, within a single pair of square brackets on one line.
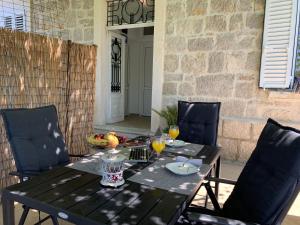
[(129, 11), (116, 53)]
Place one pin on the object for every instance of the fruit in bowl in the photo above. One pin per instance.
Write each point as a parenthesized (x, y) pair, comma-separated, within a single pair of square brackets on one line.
[(97, 141), (110, 139)]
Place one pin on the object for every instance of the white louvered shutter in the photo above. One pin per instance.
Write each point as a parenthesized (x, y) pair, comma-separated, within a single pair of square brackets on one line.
[(8, 22), (279, 43), (19, 22)]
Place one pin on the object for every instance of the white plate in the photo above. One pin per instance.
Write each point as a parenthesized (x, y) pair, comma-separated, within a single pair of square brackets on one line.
[(175, 143), (182, 168)]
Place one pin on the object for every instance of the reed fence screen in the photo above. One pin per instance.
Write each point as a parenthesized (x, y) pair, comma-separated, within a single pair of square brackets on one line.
[(36, 71)]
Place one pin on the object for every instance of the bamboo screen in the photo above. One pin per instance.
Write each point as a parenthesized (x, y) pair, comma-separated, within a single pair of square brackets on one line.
[(37, 71)]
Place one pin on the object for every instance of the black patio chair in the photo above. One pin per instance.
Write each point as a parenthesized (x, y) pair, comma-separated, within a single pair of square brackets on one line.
[(267, 186), (198, 122), (37, 143)]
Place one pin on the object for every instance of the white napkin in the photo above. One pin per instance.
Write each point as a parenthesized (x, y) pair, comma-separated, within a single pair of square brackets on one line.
[(195, 162)]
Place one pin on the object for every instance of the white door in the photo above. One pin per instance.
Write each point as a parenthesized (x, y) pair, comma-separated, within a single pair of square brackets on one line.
[(116, 95), (146, 78)]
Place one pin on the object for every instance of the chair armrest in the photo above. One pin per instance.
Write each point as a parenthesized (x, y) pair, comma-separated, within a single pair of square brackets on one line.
[(79, 155), (15, 173), (220, 180), (214, 220)]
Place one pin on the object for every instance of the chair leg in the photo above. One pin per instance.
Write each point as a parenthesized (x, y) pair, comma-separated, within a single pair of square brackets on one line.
[(54, 220), (212, 197), (24, 215)]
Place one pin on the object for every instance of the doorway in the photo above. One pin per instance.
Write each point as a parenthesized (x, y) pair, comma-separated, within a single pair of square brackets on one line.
[(131, 107)]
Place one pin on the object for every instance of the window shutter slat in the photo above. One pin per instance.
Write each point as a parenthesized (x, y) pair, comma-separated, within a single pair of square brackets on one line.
[(19, 22), (279, 43), (8, 22)]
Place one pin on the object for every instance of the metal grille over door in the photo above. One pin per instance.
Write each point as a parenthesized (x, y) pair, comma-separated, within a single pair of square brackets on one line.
[(130, 11), (116, 53)]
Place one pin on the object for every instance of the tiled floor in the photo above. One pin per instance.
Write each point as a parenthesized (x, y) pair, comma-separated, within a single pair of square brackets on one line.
[(230, 170), (135, 121)]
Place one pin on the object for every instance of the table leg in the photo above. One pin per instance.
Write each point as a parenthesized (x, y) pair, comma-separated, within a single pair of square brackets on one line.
[(8, 211), (217, 175)]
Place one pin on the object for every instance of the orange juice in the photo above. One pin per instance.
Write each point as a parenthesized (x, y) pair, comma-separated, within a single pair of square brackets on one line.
[(158, 146), (173, 132)]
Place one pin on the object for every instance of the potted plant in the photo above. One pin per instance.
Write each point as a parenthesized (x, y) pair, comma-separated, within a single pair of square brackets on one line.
[(169, 114)]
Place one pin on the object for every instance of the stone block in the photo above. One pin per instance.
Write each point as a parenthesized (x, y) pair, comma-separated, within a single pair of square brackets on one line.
[(257, 129), (253, 61), (76, 4), (246, 42), (233, 108), (175, 44), (80, 14), (236, 22), (88, 4), (216, 62), (229, 148), (170, 28), (201, 44), (247, 77), (226, 41), (175, 11), (196, 7), (220, 127), (169, 100), (173, 77), (170, 88), (70, 21), (65, 4), (237, 129), (215, 85), (255, 20), (193, 63), (245, 150), (171, 63), (186, 89), (223, 6), (244, 90), (86, 22), (235, 62), (88, 34), (216, 23), (77, 35), (259, 5), (189, 27), (245, 5)]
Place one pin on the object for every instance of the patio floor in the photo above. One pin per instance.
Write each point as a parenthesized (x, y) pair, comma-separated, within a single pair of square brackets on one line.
[(230, 170)]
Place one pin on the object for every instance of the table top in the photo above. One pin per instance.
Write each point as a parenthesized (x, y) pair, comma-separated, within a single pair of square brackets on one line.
[(78, 197)]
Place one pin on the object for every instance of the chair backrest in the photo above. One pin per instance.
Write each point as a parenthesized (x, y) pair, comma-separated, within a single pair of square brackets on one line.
[(36, 140), (198, 122), (270, 181)]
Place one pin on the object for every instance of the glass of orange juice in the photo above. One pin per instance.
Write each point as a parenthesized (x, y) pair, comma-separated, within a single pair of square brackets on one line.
[(173, 132), (158, 145)]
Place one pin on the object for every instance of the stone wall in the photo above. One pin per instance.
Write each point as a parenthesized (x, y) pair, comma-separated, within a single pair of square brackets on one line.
[(212, 53), (69, 19)]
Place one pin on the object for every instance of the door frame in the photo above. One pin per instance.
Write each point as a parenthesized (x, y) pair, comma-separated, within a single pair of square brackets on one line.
[(100, 39), (110, 94)]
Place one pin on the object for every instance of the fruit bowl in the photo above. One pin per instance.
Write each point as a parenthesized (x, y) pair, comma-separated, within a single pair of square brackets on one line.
[(109, 140)]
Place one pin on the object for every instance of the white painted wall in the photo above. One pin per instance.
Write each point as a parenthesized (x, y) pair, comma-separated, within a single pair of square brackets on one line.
[(102, 81), (158, 60)]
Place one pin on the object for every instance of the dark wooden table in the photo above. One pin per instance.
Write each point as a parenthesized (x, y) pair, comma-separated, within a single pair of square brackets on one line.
[(78, 197)]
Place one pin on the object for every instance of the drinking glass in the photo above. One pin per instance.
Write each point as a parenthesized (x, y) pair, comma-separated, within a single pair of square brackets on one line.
[(158, 145), (173, 132)]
